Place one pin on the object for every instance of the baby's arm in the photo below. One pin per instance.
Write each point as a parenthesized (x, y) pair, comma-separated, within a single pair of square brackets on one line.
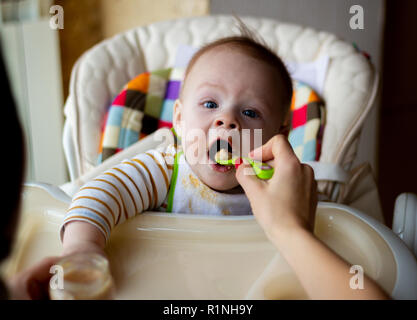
[(285, 207), (82, 236), (134, 186)]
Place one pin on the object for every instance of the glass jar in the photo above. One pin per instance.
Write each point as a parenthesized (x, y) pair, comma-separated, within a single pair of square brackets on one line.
[(84, 276)]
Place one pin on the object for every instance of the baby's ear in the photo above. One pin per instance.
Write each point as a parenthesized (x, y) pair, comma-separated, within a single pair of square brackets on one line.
[(285, 126), (176, 117), (284, 129)]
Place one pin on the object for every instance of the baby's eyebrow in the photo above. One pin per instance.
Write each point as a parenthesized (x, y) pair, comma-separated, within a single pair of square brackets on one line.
[(210, 84), (262, 102)]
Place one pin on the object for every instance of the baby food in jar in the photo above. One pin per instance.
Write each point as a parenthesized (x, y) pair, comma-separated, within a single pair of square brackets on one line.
[(86, 276)]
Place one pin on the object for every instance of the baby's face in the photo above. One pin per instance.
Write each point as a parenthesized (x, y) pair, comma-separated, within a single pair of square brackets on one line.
[(225, 92)]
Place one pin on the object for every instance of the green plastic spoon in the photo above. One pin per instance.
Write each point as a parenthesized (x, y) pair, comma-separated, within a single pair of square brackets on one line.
[(262, 170)]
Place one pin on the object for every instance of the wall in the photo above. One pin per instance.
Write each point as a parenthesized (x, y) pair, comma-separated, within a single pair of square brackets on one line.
[(121, 15), (82, 30)]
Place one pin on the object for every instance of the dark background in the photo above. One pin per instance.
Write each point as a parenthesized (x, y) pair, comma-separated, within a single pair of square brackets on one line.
[(398, 117)]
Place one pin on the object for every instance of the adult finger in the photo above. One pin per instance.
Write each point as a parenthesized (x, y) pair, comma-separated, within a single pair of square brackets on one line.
[(33, 283), (248, 180), (276, 147), (40, 272)]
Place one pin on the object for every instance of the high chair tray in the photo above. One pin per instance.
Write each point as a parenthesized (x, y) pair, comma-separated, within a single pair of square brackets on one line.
[(183, 256)]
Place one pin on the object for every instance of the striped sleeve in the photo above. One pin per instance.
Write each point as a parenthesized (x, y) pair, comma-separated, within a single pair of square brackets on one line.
[(120, 193)]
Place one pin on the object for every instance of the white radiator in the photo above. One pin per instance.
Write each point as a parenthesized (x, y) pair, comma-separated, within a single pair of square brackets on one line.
[(31, 52)]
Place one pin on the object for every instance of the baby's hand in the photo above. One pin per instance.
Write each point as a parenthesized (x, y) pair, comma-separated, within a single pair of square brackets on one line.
[(288, 200)]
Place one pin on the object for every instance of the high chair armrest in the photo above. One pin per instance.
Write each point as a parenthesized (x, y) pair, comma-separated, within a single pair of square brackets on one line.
[(328, 171), (70, 151), (53, 190), (405, 220)]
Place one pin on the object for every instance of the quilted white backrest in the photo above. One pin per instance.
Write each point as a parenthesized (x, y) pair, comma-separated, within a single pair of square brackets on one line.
[(101, 72)]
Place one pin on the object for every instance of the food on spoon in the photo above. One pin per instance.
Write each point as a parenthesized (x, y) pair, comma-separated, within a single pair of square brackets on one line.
[(223, 156)]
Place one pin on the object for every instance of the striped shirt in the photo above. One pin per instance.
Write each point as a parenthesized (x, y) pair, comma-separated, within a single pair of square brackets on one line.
[(150, 181)]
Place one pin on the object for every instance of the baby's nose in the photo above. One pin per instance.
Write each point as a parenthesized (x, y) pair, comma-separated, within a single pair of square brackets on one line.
[(227, 123)]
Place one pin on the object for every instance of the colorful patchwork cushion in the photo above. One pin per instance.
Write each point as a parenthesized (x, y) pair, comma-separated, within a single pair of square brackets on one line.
[(306, 122), (146, 104)]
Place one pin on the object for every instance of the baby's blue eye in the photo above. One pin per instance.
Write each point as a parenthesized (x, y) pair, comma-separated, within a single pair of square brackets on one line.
[(210, 104), (250, 113)]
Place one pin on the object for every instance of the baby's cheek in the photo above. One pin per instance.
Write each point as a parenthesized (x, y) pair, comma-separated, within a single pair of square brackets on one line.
[(194, 145), (195, 152), (267, 134)]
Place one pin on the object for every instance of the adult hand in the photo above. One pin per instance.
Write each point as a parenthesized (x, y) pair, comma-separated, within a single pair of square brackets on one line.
[(32, 283), (288, 200)]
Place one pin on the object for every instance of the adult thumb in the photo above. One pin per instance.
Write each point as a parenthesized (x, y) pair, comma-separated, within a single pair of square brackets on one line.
[(248, 180)]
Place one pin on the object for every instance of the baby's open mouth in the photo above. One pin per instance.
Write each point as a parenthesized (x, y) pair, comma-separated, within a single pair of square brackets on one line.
[(219, 147)]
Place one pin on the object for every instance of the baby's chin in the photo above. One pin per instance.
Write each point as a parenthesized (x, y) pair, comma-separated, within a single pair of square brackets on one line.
[(225, 182), (226, 187), (221, 182)]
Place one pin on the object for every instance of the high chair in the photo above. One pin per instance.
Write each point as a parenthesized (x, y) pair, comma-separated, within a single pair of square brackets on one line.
[(203, 268)]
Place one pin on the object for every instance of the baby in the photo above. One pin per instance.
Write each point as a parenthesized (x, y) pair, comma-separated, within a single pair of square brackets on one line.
[(231, 86)]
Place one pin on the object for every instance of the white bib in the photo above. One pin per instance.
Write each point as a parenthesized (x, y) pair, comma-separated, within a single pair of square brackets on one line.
[(191, 195)]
